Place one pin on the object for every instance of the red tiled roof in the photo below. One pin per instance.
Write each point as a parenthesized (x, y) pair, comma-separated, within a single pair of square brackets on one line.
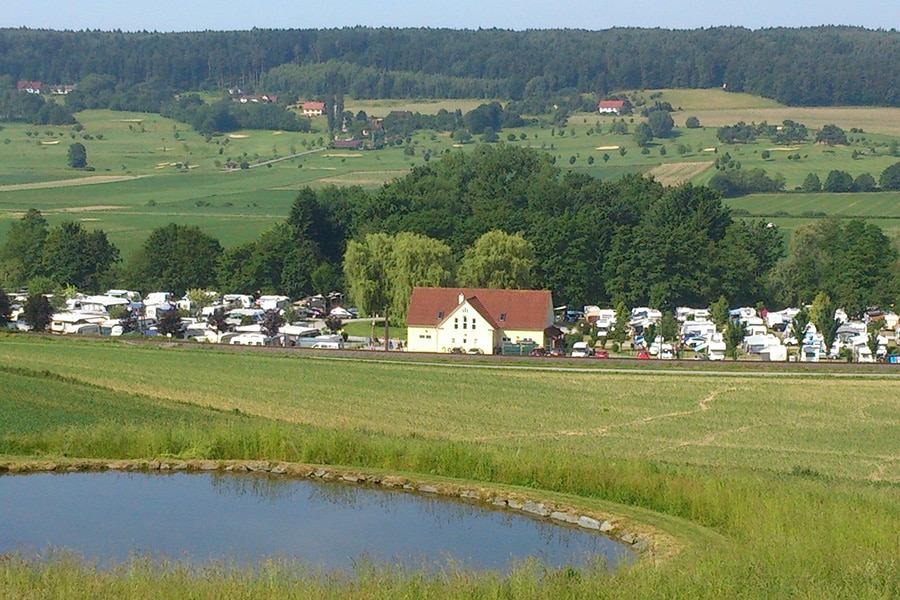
[(611, 104), (313, 106), (521, 309)]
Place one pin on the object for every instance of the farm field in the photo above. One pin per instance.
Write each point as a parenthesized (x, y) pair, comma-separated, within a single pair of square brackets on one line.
[(149, 170), (772, 486)]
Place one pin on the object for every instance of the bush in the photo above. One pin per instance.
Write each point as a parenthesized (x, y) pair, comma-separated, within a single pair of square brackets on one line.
[(890, 178)]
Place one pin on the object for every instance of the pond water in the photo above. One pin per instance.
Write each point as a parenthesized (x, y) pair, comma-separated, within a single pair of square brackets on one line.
[(244, 518)]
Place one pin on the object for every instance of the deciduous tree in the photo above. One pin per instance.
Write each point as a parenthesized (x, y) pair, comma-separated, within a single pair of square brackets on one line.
[(498, 260), (175, 258), (77, 156), (38, 312)]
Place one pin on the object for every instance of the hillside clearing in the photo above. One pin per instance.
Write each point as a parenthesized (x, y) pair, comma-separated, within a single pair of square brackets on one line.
[(672, 174)]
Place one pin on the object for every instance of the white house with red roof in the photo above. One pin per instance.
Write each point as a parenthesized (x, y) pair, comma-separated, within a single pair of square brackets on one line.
[(477, 320), (611, 107), (32, 87), (312, 109)]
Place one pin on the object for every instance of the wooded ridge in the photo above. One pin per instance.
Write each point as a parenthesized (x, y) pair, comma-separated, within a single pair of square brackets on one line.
[(820, 66)]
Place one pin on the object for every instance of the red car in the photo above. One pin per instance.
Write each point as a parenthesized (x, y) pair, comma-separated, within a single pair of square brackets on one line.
[(643, 355), (601, 353)]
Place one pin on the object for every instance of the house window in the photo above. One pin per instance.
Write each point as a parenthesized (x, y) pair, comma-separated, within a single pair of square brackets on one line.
[(502, 316), (455, 322), (465, 326), (473, 323), (440, 314)]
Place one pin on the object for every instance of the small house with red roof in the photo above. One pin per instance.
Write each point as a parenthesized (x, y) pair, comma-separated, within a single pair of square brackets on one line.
[(31, 87), (312, 109), (611, 107), (477, 320)]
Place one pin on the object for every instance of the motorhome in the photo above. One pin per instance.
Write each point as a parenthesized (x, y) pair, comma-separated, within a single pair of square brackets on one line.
[(273, 302), (65, 323), (716, 348)]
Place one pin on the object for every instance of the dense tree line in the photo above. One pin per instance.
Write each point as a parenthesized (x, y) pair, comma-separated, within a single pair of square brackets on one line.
[(809, 66), (500, 215), (789, 132), (65, 255), (227, 115), (16, 106)]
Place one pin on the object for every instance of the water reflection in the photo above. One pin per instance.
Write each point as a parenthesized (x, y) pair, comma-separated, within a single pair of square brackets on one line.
[(244, 518)]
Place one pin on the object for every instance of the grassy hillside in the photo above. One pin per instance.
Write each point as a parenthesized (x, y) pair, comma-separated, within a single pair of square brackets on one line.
[(157, 170), (774, 487)]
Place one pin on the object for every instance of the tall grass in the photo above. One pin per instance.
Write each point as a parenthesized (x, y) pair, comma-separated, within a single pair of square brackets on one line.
[(748, 529)]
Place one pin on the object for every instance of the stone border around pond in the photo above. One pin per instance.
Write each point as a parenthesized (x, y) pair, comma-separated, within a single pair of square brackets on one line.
[(644, 541)]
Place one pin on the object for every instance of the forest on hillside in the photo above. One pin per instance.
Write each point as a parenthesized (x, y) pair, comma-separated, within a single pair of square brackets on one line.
[(820, 66)]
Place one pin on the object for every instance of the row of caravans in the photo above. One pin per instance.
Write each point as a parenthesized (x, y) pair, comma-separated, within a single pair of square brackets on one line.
[(90, 315)]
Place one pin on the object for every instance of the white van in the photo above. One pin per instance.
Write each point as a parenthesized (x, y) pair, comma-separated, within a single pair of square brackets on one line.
[(581, 350), (328, 345)]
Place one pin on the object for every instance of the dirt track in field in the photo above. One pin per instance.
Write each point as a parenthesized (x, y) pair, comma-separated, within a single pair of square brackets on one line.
[(92, 180)]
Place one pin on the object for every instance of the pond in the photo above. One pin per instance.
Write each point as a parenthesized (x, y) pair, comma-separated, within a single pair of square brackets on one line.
[(244, 518)]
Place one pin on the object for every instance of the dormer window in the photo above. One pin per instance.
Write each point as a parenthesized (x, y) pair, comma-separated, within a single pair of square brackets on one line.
[(502, 316), (440, 314)]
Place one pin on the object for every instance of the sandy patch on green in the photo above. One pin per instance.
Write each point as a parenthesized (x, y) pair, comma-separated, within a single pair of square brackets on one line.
[(53, 143), (93, 180), (709, 149), (130, 120), (277, 132), (606, 148), (788, 148), (343, 155), (238, 136)]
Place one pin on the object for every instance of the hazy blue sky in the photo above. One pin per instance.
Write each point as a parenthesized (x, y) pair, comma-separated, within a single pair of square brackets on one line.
[(193, 15)]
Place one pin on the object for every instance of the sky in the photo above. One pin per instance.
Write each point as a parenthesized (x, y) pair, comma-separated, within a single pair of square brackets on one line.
[(198, 15)]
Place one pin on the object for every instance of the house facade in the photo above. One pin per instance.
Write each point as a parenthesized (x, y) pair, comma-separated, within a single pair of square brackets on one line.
[(477, 320), (611, 107), (31, 87), (312, 109)]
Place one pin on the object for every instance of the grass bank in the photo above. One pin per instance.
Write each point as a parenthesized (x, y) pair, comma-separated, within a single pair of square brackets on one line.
[(784, 488)]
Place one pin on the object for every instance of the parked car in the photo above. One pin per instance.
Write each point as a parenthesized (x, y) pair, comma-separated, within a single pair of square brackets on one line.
[(457, 350), (643, 355), (556, 352), (601, 353), (538, 352), (475, 351)]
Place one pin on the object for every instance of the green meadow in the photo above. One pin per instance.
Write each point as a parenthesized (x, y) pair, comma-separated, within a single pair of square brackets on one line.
[(772, 486), (149, 170)]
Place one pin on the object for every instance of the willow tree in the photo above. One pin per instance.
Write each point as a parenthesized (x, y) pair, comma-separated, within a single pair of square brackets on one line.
[(381, 270), (498, 260)]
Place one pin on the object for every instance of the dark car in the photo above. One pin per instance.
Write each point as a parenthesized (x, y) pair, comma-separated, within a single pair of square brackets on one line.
[(537, 352), (556, 352)]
